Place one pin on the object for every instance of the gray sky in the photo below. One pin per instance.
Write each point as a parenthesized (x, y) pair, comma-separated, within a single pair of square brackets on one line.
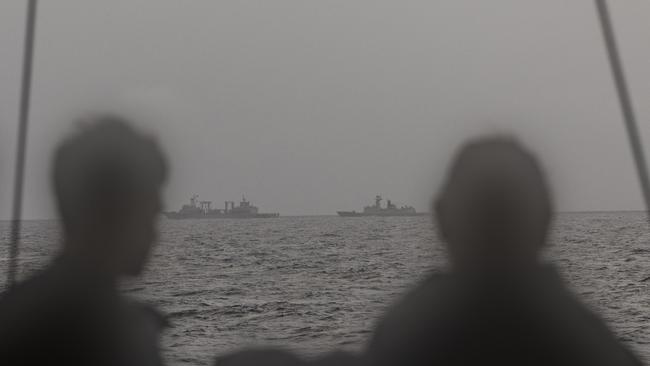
[(310, 107)]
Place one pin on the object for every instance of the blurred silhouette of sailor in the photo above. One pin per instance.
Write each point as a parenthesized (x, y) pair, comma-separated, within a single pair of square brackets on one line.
[(107, 178), (282, 357), (499, 304)]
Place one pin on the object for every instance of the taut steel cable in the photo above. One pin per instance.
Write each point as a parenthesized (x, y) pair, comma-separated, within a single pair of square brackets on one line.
[(624, 99), (23, 118)]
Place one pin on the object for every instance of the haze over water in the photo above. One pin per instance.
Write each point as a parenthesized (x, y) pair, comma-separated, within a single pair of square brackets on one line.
[(311, 107), (319, 283)]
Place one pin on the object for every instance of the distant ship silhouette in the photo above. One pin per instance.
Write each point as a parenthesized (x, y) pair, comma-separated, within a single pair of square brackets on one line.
[(376, 210), (203, 210)]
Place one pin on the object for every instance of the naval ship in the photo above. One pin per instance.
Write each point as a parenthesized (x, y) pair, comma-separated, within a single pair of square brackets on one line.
[(203, 210), (376, 210)]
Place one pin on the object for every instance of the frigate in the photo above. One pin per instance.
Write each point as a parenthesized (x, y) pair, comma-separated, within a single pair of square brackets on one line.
[(377, 210)]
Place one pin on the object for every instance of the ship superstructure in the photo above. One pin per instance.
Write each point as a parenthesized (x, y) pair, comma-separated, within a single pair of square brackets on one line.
[(377, 210), (203, 210)]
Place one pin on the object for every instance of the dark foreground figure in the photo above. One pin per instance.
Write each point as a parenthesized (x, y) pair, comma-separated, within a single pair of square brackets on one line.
[(277, 357), (107, 180), (499, 304)]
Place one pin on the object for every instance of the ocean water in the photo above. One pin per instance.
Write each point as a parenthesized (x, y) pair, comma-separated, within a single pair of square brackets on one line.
[(314, 284)]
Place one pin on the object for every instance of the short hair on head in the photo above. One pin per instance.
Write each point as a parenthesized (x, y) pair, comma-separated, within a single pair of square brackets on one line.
[(104, 162), (471, 152)]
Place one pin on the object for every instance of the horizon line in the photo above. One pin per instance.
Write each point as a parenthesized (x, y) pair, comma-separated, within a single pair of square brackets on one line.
[(322, 215)]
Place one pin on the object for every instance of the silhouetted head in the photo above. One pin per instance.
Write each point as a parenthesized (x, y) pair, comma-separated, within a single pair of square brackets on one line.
[(107, 179), (494, 209)]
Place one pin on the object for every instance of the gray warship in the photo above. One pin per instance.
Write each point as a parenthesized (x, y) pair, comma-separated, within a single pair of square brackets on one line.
[(376, 210), (203, 210)]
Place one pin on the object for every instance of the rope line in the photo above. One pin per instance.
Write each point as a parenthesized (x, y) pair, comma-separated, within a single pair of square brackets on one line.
[(624, 99), (23, 118)]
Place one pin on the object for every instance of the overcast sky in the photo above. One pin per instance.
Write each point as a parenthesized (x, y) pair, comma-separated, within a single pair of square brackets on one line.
[(309, 107)]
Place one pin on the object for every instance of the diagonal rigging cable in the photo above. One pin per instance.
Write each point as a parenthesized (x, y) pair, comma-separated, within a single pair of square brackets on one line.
[(23, 118), (624, 100)]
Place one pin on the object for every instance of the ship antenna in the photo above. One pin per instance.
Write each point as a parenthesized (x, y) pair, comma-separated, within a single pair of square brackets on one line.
[(23, 118)]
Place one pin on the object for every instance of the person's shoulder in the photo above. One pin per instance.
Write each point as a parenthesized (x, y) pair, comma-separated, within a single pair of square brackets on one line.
[(137, 331), (35, 292), (415, 315), (145, 311), (582, 330), (422, 298), (596, 336), (426, 288), (339, 358), (31, 309), (282, 357), (141, 321), (260, 357)]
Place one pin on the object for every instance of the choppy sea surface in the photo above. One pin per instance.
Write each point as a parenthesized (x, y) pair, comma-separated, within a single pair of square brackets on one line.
[(314, 284)]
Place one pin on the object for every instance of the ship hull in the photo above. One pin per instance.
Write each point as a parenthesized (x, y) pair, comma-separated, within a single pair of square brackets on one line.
[(380, 214), (349, 213), (178, 216)]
